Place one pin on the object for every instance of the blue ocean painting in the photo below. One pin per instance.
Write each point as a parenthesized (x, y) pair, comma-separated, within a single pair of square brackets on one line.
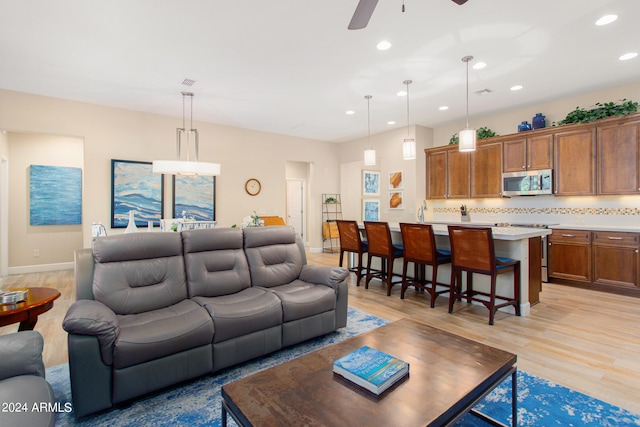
[(55, 195), (370, 183), (195, 196), (135, 188), (371, 210)]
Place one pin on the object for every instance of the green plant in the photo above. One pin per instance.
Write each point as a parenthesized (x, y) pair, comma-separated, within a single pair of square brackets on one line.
[(331, 200), (482, 133), (600, 111)]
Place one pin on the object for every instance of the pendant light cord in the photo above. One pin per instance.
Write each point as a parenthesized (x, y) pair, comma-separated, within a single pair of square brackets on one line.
[(466, 59), (408, 82), (368, 97)]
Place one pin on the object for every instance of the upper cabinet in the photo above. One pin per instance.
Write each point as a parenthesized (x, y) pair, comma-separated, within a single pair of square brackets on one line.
[(486, 170), (528, 153), (619, 158), (447, 173), (574, 153)]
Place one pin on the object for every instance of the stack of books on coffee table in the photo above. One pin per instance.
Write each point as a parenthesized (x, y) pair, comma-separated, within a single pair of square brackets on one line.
[(371, 369)]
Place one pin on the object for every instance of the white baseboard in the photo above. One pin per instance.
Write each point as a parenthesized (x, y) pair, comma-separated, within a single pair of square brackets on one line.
[(40, 268), (315, 250)]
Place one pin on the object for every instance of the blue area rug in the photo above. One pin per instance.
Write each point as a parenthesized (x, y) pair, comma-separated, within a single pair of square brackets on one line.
[(197, 403)]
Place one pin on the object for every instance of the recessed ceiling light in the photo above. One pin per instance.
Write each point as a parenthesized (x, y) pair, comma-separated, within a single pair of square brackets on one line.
[(443, 108), (391, 122), (402, 93), (383, 45), (516, 87), (629, 55), (479, 65), (606, 19), (350, 112)]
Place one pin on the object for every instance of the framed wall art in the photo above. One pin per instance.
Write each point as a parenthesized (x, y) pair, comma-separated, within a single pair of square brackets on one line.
[(370, 183), (134, 187), (194, 197), (55, 195), (395, 200), (395, 180), (370, 210)]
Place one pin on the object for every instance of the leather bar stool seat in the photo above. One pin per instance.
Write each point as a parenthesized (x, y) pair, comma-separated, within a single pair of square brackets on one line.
[(351, 241), (381, 246)]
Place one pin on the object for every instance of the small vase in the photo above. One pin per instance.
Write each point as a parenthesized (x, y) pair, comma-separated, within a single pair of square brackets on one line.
[(539, 121), (131, 228), (524, 126)]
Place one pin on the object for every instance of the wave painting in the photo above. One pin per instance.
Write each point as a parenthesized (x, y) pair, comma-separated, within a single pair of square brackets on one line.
[(195, 196), (135, 188), (55, 195)]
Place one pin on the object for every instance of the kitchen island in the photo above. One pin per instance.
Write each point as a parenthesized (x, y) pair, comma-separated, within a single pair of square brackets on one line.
[(519, 243)]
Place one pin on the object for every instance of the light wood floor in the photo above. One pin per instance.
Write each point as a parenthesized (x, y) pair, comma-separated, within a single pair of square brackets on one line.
[(582, 339)]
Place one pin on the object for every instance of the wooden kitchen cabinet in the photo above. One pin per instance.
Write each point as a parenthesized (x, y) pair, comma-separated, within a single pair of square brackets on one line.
[(574, 155), (569, 254), (619, 158), (448, 172), (528, 153), (486, 170), (615, 259)]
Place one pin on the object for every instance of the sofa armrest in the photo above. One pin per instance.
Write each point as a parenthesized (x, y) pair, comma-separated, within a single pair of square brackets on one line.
[(323, 275), (89, 317), (21, 354)]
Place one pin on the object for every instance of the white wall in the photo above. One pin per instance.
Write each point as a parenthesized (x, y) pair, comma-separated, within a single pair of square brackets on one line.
[(111, 133)]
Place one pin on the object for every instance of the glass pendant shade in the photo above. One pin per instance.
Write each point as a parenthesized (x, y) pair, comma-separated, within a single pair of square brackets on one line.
[(369, 157), (467, 140), (184, 137), (409, 149)]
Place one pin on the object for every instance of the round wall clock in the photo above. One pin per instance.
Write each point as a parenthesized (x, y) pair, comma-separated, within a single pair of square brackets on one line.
[(252, 187)]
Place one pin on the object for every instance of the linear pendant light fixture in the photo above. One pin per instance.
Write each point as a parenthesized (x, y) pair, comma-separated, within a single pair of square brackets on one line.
[(183, 138), (409, 144), (369, 153), (467, 137)]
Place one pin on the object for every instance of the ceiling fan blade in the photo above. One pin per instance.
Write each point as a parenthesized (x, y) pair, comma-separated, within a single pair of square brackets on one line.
[(459, 2), (363, 13)]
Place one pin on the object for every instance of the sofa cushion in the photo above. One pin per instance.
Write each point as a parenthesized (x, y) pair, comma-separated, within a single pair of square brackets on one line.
[(250, 310), (21, 354), (215, 262), (302, 299), (158, 333), (28, 390), (139, 272), (273, 255)]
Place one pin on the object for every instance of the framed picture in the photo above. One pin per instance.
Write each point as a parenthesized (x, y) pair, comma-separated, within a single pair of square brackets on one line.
[(55, 195), (395, 200), (395, 180), (194, 197), (370, 210), (370, 183), (134, 187)]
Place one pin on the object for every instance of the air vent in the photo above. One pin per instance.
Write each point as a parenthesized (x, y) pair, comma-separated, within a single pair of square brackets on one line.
[(188, 82), (483, 92)]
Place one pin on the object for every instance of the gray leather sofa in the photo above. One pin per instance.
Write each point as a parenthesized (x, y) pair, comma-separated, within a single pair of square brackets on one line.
[(155, 309), (22, 383)]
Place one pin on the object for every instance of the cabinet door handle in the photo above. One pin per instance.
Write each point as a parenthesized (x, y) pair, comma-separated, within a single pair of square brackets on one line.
[(568, 235), (614, 238)]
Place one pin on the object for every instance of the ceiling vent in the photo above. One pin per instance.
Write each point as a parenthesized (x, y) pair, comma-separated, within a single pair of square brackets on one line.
[(483, 92), (188, 82)]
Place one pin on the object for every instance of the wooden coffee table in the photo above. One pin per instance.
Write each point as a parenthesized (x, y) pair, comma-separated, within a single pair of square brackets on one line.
[(448, 375), (26, 312)]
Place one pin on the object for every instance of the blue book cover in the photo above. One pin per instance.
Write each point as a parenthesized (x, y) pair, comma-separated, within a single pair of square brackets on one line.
[(370, 368)]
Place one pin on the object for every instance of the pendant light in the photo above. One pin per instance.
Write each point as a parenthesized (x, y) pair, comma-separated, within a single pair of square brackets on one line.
[(183, 138), (369, 153), (467, 137), (409, 144)]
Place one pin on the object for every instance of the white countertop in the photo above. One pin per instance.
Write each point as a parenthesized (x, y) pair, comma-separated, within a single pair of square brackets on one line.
[(499, 233)]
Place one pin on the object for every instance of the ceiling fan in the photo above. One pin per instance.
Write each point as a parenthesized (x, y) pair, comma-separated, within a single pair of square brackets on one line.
[(365, 8)]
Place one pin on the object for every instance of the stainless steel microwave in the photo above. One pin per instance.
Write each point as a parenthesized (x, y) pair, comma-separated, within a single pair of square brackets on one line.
[(528, 183)]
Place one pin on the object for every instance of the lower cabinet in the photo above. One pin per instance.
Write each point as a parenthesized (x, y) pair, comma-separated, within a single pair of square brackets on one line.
[(604, 258)]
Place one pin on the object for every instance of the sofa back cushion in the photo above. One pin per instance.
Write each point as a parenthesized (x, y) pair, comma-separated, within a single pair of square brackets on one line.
[(215, 262), (139, 272), (274, 256)]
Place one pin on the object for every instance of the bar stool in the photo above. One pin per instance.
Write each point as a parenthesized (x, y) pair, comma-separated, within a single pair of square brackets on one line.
[(350, 241), (473, 251), (419, 245), (381, 246)]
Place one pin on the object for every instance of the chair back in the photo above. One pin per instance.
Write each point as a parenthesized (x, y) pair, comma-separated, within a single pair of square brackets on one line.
[(472, 248), (349, 236), (419, 242), (379, 238)]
